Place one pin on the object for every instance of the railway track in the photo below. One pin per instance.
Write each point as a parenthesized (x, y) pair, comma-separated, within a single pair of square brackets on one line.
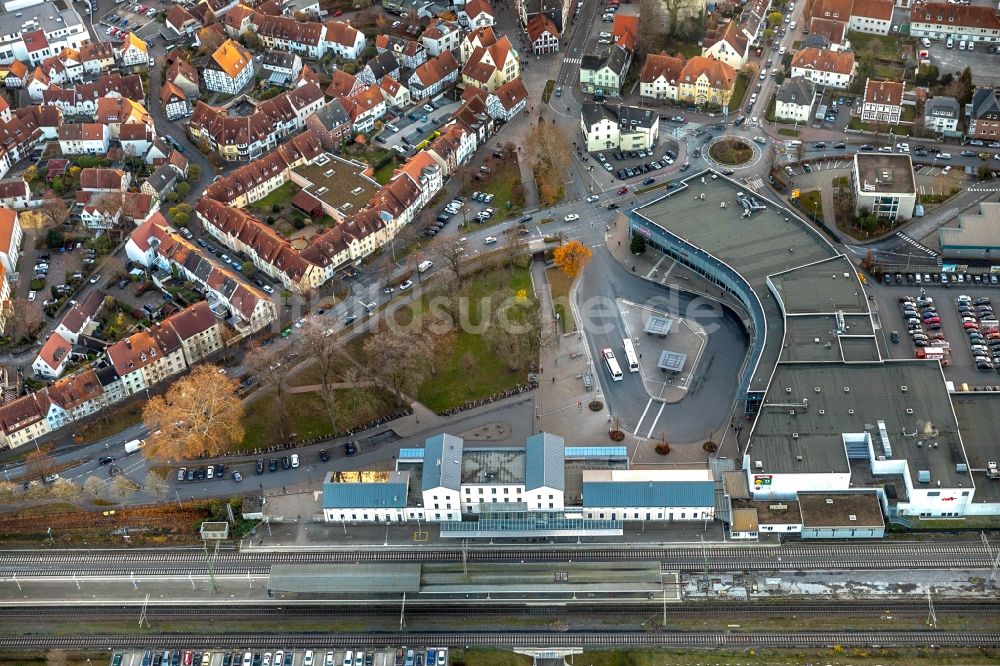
[(514, 639), (688, 609), (867, 556)]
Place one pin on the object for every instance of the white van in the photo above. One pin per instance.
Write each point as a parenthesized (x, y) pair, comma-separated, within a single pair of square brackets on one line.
[(950, 43), (961, 45), (926, 42), (424, 265), (944, 156)]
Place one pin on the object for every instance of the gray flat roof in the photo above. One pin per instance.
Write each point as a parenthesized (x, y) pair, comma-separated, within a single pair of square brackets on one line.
[(815, 337), (493, 466), (884, 173), (671, 361), (773, 512), (530, 577), (656, 325), (344, 578), (573, 493), (859, 349), (823, 287), (840, 510), (769, 241), (51, 16), (874, 393), (978, 229), (976, 414)]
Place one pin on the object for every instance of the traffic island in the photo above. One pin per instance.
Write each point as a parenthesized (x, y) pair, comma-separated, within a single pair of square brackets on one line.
[(658, 334), (731, 151)]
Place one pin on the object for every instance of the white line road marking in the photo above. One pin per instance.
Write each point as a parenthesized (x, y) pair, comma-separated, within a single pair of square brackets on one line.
[(655, 267), (648, 403), (653, 424)]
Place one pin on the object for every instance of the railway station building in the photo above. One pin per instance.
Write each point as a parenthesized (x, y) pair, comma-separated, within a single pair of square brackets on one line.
[(829, 411), (543, 488)]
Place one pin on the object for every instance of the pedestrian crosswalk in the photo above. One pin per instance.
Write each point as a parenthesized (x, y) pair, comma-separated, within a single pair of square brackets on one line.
[(915, 244), (572, 61), (982, 187), (754, 183)]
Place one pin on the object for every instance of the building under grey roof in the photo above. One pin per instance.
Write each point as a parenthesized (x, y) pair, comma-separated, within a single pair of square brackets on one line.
[(365, 490), (442, 462), (884, 173), (614, 57), (977, 235), (545, 462), (942, 107), (984, 105), (627, 117), (629, 494), (798, 90), (332, 115), (55, 16)]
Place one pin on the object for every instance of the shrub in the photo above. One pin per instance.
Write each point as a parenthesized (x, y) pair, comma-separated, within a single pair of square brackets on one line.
[(638, 244), (663, 448)]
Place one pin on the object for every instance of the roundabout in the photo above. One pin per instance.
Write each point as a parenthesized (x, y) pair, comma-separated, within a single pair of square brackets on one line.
[(732, 152)]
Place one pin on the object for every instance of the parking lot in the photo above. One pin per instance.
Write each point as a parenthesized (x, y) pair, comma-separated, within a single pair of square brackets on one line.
[(412, 127), (126, 17), (943, 327), (955, 60), (627, 164), (314, 657)]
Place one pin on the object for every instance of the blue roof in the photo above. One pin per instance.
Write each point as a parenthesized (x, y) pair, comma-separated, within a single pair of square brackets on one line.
[(390, 495), (596, 452), (545, 462), (442, 462), (623, 494), (411, 454)]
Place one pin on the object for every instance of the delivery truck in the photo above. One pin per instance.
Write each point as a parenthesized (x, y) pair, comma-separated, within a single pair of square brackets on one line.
[(133, 446)]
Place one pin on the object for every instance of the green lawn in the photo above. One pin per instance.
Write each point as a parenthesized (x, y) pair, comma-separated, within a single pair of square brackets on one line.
[(784, 131), (559, 286), (454, 384), (898, 130), (307, 416), (281, 196), (383, 174), (886, 46), (739, 90), (550, 85), (812, 204), (109, 422)]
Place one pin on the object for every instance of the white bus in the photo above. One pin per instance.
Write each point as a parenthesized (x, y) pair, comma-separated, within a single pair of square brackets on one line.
[(630, 357), (612, 363)]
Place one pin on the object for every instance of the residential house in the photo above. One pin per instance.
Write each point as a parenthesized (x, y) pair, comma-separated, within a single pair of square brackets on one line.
[(102, 210), (383, 64), (364, 108), (543, 35), (479, 38), (17, 74), (491, 67), (942, 114), (52, 357), (84, 139), (395, 93), (871, 16), (199, 331), (940, 20), (603, 72), (824, 67), (161, 181), (409, 53), (609, 127), (95, 179), (441, 36), (729, 44), (147, 357), (185, 76), (238, 21), (826, 34), (280, 68), (133, 51), (181, 21), (476, 14), (229, 69), (75, 322), (434, 76), (507, 101), (23, 420), (344, 40), (982, 115), (883, 102), (331, 125), (706, 81), (795, 99), (453, 148), (11, 236), (14, 193), (137, 207), (41, 32), (117, 113), (343, 84), (175, 102), (660, 76), (288, 34), (97, 57)]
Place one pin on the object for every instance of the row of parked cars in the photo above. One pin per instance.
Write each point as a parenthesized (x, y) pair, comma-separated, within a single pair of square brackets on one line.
[(981, 325), (922, 321), (941, 278)]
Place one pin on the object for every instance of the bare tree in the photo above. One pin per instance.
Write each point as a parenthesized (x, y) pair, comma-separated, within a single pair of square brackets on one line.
[(513, 246), (452, 253), (64, 489), (272, 370), (121, 487), (325, 352), (399, 360), (23, 320), (39, 464), (92, 486), (155, 483)]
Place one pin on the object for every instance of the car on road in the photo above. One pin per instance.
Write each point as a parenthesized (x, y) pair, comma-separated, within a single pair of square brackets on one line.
[(649, 181), (105, 460), (272, 465), (350, 448), (260, 465), (285, 463), (406, 285), (759, 139), (489, 240), (323, 455), (623, 190), (571, 217), (237, 477), (295, 460)]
